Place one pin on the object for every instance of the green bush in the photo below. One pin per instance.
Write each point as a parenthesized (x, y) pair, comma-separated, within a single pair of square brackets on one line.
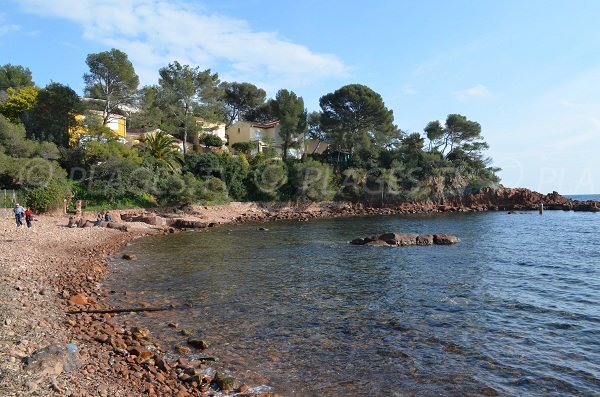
[(266, 179), (49, 197), (312, 180)]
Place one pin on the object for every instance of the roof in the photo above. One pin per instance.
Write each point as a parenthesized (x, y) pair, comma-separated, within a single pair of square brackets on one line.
[(271, 124)]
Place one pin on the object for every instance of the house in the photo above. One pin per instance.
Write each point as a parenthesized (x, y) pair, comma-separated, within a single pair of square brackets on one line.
[(116, 123), (207, 127), (136, 136), (264, 134)]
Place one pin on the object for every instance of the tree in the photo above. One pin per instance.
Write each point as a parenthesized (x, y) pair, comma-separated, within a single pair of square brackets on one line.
[(458, 133), (212, 140), (314, 130), (244, 147), (112, 79), (240, 99), (18, 103), (53, 114), (356, 120), (186, 89), (14, 76), (162, 150), (289, 110), (151, 114)]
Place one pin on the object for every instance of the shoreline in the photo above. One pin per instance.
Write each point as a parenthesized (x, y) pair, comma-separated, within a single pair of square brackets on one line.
[(51, 269)]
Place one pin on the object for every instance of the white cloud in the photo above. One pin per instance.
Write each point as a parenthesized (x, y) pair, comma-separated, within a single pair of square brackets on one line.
[(478, 91), (156, 32), (7, 28)]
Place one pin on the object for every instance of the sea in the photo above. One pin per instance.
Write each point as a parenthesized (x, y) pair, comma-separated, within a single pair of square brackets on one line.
[(511, 310)]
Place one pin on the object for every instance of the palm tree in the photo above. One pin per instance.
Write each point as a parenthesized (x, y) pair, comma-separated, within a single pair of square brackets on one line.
[(162, 149)]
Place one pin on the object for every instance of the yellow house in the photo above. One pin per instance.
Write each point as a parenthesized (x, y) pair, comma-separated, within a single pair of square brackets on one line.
[(207, 127), (116, 123), (261, 133)]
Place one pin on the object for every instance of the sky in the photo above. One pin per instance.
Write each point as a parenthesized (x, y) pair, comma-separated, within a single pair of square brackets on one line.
[(528, 71)]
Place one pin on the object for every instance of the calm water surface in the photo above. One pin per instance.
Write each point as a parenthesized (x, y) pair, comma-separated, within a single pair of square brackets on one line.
[(513, 309)]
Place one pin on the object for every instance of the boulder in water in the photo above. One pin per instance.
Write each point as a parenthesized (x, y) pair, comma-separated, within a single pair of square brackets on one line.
[(405, 239)]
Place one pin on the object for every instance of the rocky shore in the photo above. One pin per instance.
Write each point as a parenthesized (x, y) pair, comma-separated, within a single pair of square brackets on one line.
[(53, 269)]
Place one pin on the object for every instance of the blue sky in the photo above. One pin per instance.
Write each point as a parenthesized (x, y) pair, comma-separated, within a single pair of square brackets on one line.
[(528, 71)]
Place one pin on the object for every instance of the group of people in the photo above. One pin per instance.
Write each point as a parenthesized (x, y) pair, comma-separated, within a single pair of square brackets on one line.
[(23, 214), (106, 216)]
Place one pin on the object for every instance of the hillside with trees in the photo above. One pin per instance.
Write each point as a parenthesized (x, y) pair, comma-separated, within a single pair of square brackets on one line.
[(359, 153)]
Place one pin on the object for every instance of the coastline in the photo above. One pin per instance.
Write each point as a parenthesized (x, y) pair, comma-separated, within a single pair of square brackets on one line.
[(47, 269)]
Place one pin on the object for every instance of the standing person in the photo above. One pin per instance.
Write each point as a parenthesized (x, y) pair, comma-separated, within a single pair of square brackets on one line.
[(29, 217), (108, 217), (19, 211)]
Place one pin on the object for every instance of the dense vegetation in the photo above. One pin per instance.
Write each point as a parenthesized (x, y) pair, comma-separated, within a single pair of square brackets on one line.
[(368, 158)]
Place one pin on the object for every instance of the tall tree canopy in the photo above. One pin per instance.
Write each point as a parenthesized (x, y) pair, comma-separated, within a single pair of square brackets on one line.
[(112, 79), (54, 114), (186, 90), (240, 99), (14, 76), (289, 110), (356, 120), (18, 102), (458, 134)]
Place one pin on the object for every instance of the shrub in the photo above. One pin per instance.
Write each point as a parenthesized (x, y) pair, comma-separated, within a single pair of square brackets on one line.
[(266, 179), (312, 180), (49, 197)]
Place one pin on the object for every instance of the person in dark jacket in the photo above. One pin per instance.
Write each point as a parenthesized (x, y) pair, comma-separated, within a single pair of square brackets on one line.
[(108, 217), (29, 217)]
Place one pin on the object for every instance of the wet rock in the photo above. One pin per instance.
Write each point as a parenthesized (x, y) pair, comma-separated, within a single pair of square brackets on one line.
[(400, 239), (243, 388), (198, 343), (445, 239), (425, 239), (378, 243), (141, 353), (186, 331), (225, 383), (183, 349), (405, 239), (140, 333)]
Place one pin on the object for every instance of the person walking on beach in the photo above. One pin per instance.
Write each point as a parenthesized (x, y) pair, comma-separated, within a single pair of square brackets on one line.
[(29, 217), (19, 212)]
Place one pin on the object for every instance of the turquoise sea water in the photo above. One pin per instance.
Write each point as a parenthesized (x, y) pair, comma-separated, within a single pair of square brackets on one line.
[(513, 309)]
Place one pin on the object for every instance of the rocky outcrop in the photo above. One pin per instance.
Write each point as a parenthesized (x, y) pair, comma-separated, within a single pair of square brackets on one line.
[(405, 239)]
